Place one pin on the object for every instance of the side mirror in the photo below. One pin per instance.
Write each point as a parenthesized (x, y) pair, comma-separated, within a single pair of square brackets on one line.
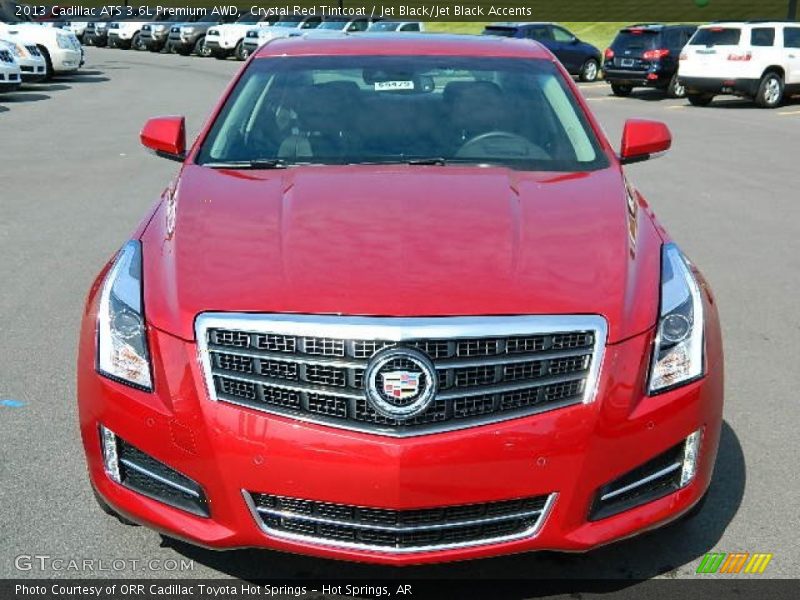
[(574, 40), (643, 140), (166, 136)]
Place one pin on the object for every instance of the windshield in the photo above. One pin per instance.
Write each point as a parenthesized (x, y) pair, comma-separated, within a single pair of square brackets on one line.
[(384, 26), (335, 24), (396, 109), (248, 18), (635, 40), (287, 23), (716, 36)]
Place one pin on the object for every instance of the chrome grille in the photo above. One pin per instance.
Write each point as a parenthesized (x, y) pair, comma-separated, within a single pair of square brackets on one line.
[(397, 531), (488, 368)]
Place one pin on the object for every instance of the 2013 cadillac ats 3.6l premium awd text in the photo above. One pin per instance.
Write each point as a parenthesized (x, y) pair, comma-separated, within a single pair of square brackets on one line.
[(401, 305)]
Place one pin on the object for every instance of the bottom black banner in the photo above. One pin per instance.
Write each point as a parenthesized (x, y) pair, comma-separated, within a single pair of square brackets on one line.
[(213, 589)]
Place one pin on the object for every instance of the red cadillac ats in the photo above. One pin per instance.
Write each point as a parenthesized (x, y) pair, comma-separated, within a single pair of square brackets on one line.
[(401, 305)]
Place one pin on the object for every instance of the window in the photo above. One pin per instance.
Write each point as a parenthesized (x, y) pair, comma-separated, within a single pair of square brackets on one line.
[(410, 27), (762, 36), (562, 35), (358, 25), (511, 112), (716, 36), (538, 33), (791, 37)]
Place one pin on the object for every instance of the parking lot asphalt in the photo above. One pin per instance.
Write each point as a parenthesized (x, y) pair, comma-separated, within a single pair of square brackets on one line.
[(74, 183)]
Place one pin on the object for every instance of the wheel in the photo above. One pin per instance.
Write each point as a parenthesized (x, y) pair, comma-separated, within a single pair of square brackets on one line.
[(700, 99), (240, 52), (675, 89), (770, 91), (621, 90), (136, 42), (48, 64), (200, 48), (590, 70), (110, 511)]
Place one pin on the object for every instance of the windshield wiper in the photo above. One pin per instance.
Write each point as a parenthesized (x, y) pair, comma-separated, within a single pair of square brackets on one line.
[(434, 160), (261, 163)]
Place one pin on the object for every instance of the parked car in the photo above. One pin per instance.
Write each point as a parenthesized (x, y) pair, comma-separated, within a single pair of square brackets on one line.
[(757, 60), (646, 56), (76, 27), (96, 32), (290, 26), (337, 25), (125, 33), (32, 65), (228, 39), (191, 37), (61, 50), (579, 58), (10, 73), (154, 35), (271, 361), (390, 26)]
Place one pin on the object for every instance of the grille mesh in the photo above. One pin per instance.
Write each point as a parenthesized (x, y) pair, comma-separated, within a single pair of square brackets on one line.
[(387, 529), (322, 378)]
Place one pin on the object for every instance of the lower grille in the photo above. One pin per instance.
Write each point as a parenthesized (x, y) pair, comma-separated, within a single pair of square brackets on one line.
[(482, 369), (144, 474), (396, 531)]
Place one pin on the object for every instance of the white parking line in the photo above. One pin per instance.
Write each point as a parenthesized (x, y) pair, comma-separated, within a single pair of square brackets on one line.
[(791, 112)]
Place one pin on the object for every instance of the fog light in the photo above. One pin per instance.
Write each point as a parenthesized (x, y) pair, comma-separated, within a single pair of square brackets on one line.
[(110, 453), (691, 451)]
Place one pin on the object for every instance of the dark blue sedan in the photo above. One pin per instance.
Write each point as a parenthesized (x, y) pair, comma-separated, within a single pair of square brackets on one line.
[(579, 58)]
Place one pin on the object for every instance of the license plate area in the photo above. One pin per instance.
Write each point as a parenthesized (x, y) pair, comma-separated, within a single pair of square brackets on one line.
[(627, 62)]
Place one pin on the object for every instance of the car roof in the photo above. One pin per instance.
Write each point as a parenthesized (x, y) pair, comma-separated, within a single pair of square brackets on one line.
[(519, 23), (405, 44), (746, 23)]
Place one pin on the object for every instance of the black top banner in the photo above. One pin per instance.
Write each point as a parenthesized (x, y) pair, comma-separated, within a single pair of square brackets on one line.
[(690, 11)]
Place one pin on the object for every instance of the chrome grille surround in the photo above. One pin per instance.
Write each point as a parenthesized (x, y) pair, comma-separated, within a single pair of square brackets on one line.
[(399, 531), (311, 367)]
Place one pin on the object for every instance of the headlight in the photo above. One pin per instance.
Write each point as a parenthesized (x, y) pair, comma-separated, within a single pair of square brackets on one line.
[(678, 353), (121, 341), (21, 51), (64, 42)]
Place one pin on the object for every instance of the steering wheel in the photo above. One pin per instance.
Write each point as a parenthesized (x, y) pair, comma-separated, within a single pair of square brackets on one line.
[(480, 146)]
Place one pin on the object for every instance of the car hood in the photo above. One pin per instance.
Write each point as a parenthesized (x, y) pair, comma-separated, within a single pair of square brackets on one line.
[(401, 241)]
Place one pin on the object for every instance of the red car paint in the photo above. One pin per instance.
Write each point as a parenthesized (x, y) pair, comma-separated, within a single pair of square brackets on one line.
[(550, 243)]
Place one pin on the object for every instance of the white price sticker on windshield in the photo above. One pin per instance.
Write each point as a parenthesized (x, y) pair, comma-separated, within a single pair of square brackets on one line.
[(383, 86)]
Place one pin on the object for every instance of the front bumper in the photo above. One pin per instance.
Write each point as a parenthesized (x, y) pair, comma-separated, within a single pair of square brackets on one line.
[(570, 453), (66, 60), (718, 85), (32, 70)]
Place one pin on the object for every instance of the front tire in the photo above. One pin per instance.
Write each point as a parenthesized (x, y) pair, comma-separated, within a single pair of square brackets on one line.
[(48, 64), (623, 91), (699, 99), (104, 506), (200, 48), (770, 91), (136, 42), (590, 70), (240, 52), (675, 89)]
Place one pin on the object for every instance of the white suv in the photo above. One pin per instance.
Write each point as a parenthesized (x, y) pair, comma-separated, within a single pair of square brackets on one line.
[(758, 60), (228, 39)]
